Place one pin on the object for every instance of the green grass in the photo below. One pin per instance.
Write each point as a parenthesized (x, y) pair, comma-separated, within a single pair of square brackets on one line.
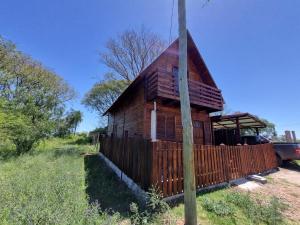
[(48, 187), (225, 207), (58, 184)]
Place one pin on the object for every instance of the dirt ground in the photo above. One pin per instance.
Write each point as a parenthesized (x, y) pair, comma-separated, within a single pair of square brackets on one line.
[(285, 184)]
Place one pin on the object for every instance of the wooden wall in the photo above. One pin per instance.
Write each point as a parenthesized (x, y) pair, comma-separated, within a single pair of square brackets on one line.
[(169, 59), (129, 116), (173, 111), (134, 114)]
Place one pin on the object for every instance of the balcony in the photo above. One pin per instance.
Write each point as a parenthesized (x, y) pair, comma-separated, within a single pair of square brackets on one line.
[(162, 84)]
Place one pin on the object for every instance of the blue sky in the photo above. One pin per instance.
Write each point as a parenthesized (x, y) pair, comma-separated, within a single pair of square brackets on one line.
[(252, 48)]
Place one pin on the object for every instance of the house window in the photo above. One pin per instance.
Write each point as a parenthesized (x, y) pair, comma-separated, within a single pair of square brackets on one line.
[(166, 127)]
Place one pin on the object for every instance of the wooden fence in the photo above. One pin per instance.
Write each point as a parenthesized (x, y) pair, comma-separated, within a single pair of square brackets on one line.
[(213, 164), (160, 163), (131, 155)]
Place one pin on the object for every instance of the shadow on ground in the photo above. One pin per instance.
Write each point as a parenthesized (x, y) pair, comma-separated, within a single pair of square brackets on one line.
[(104, 187), (291, 165)]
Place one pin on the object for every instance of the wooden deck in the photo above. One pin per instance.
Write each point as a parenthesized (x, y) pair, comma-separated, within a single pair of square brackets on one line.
[(160, 163), (163, 84)]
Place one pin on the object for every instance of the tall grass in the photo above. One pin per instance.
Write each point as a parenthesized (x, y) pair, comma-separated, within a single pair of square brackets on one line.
[(48, 187)]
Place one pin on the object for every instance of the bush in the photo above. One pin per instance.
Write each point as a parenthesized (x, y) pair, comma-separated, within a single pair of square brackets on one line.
[(256, 211), (155, 206), (7, 149), (219, 208)]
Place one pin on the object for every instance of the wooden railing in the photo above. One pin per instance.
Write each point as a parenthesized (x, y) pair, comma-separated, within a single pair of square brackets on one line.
[(163, 84), (160, 163)]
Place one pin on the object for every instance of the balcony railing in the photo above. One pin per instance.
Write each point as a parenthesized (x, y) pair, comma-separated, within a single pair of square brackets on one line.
[(163, 84)]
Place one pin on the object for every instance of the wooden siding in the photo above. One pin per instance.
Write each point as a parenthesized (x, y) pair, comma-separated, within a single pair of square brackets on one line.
[(174, 111), (129, 116), (133, 113)]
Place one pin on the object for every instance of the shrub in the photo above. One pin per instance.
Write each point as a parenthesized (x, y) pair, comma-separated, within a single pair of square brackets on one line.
[(217, 207), (155, 206), (256, 211), (272, 212)]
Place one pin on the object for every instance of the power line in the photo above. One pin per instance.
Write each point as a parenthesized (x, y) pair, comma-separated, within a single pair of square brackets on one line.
[(171, 23)]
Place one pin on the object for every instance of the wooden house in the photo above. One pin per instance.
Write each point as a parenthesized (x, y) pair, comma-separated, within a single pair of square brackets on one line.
[(144, 141), (150, 106)]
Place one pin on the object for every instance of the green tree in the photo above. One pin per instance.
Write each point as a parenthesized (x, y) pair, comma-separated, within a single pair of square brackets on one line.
[(33, 96), (73, 119), (269, 131), (104, 93)]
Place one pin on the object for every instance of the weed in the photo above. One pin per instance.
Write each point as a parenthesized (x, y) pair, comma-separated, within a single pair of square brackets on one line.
[(155, 206), (256, 211), (220, 208)]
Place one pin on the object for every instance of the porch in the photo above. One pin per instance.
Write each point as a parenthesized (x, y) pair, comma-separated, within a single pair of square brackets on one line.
[(160, 163)]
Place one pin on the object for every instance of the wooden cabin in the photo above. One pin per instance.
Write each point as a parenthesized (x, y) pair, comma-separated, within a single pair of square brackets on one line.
[(150, 106), (145, 131)]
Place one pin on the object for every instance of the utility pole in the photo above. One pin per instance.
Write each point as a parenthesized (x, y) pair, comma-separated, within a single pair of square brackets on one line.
[(190, 210)]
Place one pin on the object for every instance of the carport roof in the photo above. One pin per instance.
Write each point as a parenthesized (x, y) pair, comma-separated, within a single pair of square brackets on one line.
[(245, 120)]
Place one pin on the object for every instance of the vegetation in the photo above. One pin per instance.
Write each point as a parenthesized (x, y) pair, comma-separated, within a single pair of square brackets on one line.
[(130, 53), (64, 182), (32, 98), (48, 187), (104, 93), (126, 56), (226, 206), (68, 124)]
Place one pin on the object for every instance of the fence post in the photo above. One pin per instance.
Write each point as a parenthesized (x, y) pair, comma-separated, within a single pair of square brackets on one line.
[(153, 162)]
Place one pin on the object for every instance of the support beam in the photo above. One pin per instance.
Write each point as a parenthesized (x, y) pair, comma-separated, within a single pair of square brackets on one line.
[(257, 131), (238, 131)]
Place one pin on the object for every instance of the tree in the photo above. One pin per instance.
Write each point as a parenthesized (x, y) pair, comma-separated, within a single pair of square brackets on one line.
[(73, 119), (127, 55), (68, 124), (33, 97), (104, 93), (130, 53), (269, 132)]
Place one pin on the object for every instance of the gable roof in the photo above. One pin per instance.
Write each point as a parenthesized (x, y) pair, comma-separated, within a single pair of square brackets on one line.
[(192, 51)]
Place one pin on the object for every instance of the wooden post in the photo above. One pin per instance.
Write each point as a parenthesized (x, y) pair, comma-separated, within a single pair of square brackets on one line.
[(294, 136), (238, 131), (190, 210), (257, 131)]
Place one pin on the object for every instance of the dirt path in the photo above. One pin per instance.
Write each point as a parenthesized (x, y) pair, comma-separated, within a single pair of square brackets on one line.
[(285, 184)]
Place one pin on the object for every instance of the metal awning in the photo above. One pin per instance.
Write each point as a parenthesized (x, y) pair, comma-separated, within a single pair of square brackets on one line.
[(241, 120)]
